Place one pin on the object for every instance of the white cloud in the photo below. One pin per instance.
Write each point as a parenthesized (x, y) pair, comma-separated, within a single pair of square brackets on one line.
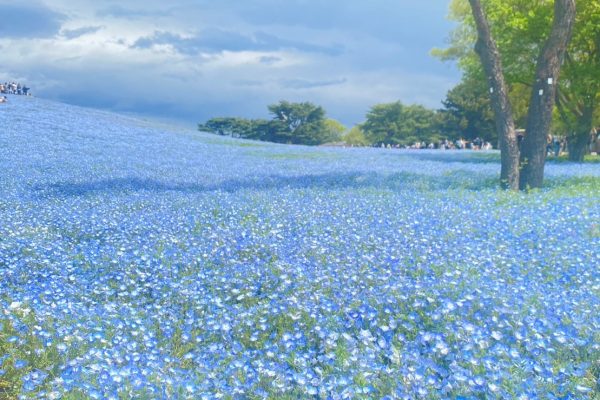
[(216, 60)]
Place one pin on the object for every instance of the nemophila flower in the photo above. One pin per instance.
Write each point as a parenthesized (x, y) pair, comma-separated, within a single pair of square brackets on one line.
[(217, 267)]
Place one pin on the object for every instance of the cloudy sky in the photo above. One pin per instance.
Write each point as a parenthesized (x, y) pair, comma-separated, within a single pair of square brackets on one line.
[(190, 60)]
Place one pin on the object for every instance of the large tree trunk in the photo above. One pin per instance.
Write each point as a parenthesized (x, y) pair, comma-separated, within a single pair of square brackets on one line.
[(577, 147), (579, 142), (539, 116), (505, 126)]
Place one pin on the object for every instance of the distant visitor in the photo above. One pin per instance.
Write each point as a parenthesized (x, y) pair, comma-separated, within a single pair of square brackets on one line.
[(14, 88)]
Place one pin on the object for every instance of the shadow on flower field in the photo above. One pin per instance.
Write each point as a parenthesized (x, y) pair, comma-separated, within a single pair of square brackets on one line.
[(335, 181)]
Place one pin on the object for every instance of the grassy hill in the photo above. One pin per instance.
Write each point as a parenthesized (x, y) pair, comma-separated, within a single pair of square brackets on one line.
[(139, 260)]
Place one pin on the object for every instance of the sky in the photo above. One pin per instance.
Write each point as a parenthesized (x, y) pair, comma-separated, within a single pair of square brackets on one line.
[(191, 60)]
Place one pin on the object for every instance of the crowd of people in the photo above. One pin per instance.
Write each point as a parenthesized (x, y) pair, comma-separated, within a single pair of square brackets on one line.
[(14, 88), (558, 145), (555, 145), (459, 144)]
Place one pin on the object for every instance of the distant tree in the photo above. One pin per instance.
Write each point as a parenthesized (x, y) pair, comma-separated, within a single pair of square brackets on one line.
[(396, 123), (334, 130), (578, 94), (382, 123), (301, 123), (221, 126), (269, 131), (467, 111), (356, 137), (234, 127), (294, 123)]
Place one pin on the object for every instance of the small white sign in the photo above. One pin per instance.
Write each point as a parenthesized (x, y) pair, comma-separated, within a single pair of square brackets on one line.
[(550, 80), (491, 90), (541, 92)]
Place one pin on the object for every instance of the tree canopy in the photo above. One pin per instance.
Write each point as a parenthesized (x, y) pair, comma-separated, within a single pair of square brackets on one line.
[(399, 124), (467, 111), (520, 44), (293, 123), (301, 123), (520, 28)]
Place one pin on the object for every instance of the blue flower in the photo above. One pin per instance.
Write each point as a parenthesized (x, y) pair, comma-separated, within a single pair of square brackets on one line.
[(180, 264)]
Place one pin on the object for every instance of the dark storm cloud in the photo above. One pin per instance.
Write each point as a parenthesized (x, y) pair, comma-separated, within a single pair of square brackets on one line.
[(215, 40), (75, 33), (28, 20)]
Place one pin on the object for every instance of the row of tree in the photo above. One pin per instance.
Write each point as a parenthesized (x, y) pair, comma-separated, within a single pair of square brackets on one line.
[(292, 123), (467, 115)]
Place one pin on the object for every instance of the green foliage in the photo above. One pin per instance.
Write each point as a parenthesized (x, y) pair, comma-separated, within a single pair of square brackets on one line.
[(356, 137), (335, 130), (468, 112), (396, 123), (219, 126), (293, 123), (300, 123), (270, 131), (578, 100), (520, 27)]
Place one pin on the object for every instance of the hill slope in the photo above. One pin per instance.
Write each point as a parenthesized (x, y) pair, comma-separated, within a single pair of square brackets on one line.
[(145, 261)]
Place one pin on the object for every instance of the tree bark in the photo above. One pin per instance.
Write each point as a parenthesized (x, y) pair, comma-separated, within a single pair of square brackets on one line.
[(577, 147), (505, 126), (539, 116), (578, 143)]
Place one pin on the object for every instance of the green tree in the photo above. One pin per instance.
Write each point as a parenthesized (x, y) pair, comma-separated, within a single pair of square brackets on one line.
[(334, 130), (356, 137), (294, 123), (269, 131), (520, 29), (237, 127), (467, 112), (578, 96), (527, 50), (229, 126), (396, 123), (301, 123), (219, 126)]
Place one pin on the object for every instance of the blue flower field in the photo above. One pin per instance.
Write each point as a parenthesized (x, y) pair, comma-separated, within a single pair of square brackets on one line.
[(145, 261)]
